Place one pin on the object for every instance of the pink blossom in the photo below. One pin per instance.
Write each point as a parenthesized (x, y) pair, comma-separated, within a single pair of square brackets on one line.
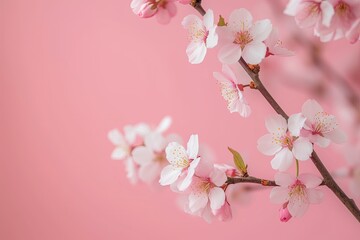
[(315, 13), (163, 9), (231, 90), (346, 13), (202, 35), (320, 127), (296, 193), (284, 142), (274, 45), (244, 39), (123, 143), (284, 213), (181, 162)]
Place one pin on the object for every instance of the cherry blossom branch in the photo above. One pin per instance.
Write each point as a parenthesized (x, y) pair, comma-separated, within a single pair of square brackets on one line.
[(250, 179), (253, 72)]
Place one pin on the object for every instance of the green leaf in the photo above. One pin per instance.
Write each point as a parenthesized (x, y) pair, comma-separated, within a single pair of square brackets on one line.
[(221, 22), (238, 161)]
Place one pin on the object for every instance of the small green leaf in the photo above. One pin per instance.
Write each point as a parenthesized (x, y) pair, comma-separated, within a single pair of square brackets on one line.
[(221, 22), (238, 161)]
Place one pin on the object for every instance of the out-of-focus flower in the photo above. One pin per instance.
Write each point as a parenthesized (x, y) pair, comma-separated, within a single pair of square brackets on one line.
[(297, 193), (163, 9), (320, 127), (284, 142), (353, 35), (352, 171), (231, 90), (274, 45), (123, 143), (244, 39), (202, 35), (181, 161)]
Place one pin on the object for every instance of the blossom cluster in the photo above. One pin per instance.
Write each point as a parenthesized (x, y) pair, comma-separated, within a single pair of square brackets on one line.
[(330, 19)]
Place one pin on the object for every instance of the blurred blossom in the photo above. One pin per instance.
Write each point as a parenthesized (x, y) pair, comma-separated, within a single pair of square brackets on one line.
[(164, 10)]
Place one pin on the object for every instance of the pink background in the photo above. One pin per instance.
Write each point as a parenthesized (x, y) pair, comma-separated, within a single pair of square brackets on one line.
[(70, 70)]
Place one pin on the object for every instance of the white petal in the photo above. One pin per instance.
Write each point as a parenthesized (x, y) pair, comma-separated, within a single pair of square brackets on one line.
[(193, 146), (261, 30), (282, 160), (320, 141), (315, 196), (155, 141), (218, 177), (164, 124), (302, 149), (143, 155), (284, 179), (266, 145), (191, 21), (212, 38), (176, 154), (130, 133), (336, 136), (310, 180), (254, 52), (327, 11), (118, 154), (197, 201), (240, 20), (217, 198), (196, 52), (169, 174), (297, 206), (310, 108), (279, 195), (116, 137), (292, 7), (296, 123), (230, 53), (187, 180), (208, 19), (150, 172), (229, 73), (276, 124)]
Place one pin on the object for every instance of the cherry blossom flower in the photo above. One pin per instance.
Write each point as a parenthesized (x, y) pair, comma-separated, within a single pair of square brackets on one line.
[(320, 127), (202, 35), (284, 142), (231, 90), (274, 45), (123, 143), (181, 162), (346, 13), (315, 13), (296, 193), (244, 39), (163, 9)]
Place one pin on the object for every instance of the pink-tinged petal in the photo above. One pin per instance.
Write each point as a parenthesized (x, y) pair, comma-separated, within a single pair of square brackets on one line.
[(141, 129), (240, 20), (353, 35), (130, 133), (193, 146), (176, 154), (266, 145), (276, 124), (296, 123), (131, 170), (143, 155), (230, 53), (284, 179), (218, 177), (187, 180), (150, 172), (196, 52), (307, 15), (242, 107), (155, 141), (320, 141), (279, 195), (163, 16), (224, 213), (229, 73), (282, 160), (119, 154), (315, 196), (261, 30), (164, 124), (254, 52), (336, 136), (217, 198), (197, 201), (302, 149), (116, 137), (327, 11), (191, 21), (212, 38), (310, 108), (310, 180), (169, 175), (297, 206), (147, 10), (171, 8), (208, 19), (292, 7)]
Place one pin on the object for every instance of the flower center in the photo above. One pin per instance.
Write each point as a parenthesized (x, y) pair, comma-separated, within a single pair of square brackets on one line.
[(183, 163), (342, 8), (242, 38), (287, 141), (160, 157), (198, 33), (298, 190), (324, 123)]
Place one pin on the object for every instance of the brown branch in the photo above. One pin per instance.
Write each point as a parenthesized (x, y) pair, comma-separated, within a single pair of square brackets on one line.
[(251, 179), (328, 179)]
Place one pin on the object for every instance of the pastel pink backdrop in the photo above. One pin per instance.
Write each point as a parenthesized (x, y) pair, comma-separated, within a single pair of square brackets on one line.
[(70, 70)]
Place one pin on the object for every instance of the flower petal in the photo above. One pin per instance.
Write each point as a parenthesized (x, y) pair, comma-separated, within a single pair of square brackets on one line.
[(254, 52), (229, 53), (208, 19), (266, 145), (217, 198), (143, 155), (302, 149), (116, 137), (240, 20), (197, 201), (296, 123), (315, 196), (327, 12), (310, 180), (276, 124), (169, 175), (218, 177), (310, 108), (284, 179), (193, 146), (297, 206), (212, 38), (176, 154), (150, 172), (282, 160), (196, 52), (164, 124), (261, 30), (336, 136), (279, 195), (119, 153), (291, 7), (182, 186)]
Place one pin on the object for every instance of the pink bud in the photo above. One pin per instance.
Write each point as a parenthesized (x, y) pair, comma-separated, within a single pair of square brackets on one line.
[(147, 10), (284, 213)]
